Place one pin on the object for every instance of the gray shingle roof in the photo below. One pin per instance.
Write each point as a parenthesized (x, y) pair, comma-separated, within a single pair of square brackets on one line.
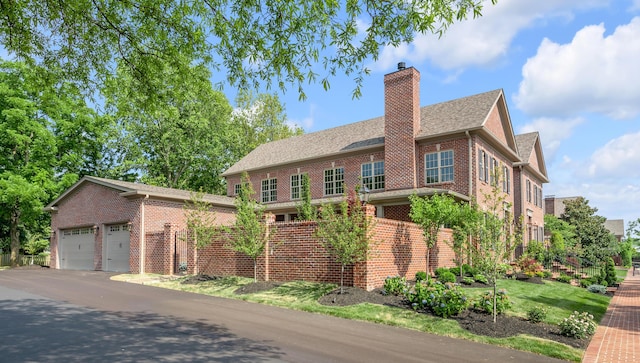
[(439, 119), (525, 143), (132, 189)]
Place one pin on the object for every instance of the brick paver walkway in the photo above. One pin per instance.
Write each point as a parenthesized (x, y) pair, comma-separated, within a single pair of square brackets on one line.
[(617, 339)]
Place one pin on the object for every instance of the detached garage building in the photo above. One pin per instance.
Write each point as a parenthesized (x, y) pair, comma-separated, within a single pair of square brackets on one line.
[(111, 225)]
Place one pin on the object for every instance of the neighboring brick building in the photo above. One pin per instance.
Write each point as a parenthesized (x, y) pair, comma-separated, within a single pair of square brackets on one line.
[(111, 225), (451, 147), (555, 206)]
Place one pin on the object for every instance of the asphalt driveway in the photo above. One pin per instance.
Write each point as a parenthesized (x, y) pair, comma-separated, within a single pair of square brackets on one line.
[(82, 316)]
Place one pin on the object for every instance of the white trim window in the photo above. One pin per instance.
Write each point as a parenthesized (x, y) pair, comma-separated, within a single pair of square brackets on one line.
[(483, 166), (269, 190), (296, 186), (372, 175), (334, 181), (236, 189), (438, 167), (493, 169), (528, 190), (506, 179)]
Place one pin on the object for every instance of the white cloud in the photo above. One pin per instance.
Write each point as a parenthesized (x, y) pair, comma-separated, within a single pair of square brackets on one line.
[(482, 41), (620, 156), (306, 123), (552, 132), (592, 73), (635, 5)]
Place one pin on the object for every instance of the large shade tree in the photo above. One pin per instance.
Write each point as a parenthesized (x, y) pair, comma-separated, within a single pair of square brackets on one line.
[(178, 137), (283, 43), (258, 119), (48, 138), (595, 240)]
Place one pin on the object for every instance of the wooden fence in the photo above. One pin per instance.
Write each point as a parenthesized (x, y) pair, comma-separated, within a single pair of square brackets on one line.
[(5, 260)]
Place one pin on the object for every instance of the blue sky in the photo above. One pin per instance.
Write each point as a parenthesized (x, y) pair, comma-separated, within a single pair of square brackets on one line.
[(570, 69)]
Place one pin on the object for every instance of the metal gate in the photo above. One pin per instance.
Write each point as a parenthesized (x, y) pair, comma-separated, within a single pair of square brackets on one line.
[(181, 249)]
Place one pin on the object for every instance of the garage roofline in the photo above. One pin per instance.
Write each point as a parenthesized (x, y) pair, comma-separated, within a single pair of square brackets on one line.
[(129, 189)]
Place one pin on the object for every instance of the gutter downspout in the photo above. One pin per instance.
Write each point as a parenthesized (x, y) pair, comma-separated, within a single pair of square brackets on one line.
[(470, 163), (142, 236), (470, 183), (523, 210)]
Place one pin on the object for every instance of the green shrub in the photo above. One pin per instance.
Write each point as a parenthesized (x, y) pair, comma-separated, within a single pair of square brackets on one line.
[(468, 280), (395, 285), (421, 276), (535, 250), (537, 314), (447, 277), (564, 278), (484, 303), (529, 265), (443, 300), (439, 271), (586, 282), (546, 274), (467, 270), (609, 272), (481, 278), (598, 289), (578, 325)]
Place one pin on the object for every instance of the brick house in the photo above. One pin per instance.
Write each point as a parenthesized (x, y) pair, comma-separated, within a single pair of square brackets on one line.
[(451, 147), (111, 225)]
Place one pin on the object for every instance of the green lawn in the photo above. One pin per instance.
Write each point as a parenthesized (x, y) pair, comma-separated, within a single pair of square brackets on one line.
[(621, 272), (560, 299)]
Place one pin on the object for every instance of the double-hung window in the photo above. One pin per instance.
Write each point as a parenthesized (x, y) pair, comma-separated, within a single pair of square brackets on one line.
[(493, 171), (528, 190), (483, 166), (373, 175), (506, 180), (269, 190), (334, 181), (296, 186), (439, 167)]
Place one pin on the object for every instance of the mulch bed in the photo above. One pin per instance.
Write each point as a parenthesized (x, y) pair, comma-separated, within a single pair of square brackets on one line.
[(475, 322)]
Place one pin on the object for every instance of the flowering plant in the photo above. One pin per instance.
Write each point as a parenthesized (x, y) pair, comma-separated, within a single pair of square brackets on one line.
[(443, 300), (485, 302), (578, 325), (395, 285)]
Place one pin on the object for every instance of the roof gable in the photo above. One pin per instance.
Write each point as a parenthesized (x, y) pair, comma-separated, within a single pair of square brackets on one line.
[(530, 150), (128, 189)]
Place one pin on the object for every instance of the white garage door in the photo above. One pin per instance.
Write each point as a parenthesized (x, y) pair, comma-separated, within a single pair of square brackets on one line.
[(117, 248), (77, 249)]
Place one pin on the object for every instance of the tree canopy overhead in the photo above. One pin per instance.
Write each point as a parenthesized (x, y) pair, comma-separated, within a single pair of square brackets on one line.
[(280, 43)]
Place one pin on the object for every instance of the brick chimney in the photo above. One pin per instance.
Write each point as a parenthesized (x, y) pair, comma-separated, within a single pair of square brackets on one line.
[(401, 125)]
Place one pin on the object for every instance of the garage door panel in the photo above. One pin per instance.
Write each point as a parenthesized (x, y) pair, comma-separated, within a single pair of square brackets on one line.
[(77, 249), (117, 250)]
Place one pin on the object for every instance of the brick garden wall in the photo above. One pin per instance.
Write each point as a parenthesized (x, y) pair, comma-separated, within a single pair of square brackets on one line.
[(294, 253)]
